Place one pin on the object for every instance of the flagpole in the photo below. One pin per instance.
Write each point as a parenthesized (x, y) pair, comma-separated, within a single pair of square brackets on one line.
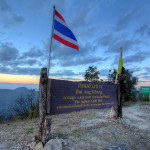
[(51, 40)]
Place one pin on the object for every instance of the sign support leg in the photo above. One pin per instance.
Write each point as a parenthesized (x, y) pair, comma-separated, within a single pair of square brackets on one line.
[(44, 122)]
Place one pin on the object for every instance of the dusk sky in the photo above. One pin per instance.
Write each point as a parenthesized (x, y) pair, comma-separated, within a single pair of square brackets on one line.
[(101, 27)]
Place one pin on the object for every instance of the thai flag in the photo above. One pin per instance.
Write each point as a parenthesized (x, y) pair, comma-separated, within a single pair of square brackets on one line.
[(62, 33)]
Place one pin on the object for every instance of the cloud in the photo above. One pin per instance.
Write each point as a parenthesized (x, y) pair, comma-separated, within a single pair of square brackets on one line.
[(4, 6), (82, 61), (105, 39), (147, 69), (8, 53), (17, 18), (144, 29), (8, 20), (126, 18), (85, 22), (124, 44), (66, 73), (20, 70), (137, 57), (28, 70), (34, 52), (31, 62), (8, 17), (135, 69), (9, 56), (146, 73), (66, 56)]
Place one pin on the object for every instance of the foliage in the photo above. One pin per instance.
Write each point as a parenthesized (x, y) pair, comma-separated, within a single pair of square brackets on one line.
[(34, 112), (29, 131), (2, 117), (144, 97), (92, 74), (130, 91), (130, 82), (6, 115), (25, 107), (112, 75)]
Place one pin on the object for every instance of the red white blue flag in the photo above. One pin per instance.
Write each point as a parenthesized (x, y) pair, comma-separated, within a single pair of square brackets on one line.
[(62, 33)]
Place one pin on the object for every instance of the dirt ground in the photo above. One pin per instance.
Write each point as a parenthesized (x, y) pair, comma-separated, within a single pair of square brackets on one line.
[(87, 130)]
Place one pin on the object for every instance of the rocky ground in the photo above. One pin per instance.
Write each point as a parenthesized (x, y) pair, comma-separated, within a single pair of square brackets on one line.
[(87, 130)]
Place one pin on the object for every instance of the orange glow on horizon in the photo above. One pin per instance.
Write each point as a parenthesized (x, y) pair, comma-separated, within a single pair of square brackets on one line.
[(142, 84), (34, 79), (25, 79)]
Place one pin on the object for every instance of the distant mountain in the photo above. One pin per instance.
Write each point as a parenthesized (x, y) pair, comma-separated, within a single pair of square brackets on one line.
[(8, 97)]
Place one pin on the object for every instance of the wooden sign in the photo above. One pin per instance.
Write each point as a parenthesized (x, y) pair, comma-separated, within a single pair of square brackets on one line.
[(68, 96)]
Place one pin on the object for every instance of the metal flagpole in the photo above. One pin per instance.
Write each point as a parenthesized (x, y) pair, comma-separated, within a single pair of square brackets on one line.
[(51, 40)]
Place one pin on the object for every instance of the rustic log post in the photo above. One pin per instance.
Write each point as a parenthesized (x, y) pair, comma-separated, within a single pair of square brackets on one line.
[(42, 101), (115, 112), (46, 130), (121, 88), (120, 108), (44, 122), (117, 108)]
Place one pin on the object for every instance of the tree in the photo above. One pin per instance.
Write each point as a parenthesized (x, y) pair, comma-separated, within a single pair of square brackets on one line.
[(130, 82), (92, 74), (112, 75), (25, 107)]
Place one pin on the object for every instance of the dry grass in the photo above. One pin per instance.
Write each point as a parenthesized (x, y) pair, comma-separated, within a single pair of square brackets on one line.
[(88, 130)]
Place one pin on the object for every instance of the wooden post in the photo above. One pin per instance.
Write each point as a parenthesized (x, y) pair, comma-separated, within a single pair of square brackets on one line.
[(119, 109), (44, 122), (46, 130), (48, 96), (115, 108), (121, 87)]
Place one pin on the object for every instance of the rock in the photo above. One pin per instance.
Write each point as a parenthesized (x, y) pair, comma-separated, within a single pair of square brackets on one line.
[(26, 148), (54, 144), (39, 146), (67, 144), (32, 145), (118, 147), (33, 139)]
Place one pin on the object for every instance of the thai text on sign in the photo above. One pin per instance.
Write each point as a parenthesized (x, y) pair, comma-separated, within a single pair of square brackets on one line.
[(68, 96)]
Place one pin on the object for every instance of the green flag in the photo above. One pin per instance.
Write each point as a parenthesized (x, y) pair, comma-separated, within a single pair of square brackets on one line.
[(120, 64), (119, 67)]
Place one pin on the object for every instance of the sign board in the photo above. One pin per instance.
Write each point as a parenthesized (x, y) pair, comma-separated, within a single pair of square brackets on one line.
[(68, 96), (145, 89)]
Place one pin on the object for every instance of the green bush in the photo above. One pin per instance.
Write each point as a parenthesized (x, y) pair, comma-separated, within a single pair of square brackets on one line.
[(34, 111), (31, 130), (145, 98)]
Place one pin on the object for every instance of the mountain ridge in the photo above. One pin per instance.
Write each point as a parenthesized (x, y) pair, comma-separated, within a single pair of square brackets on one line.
[(8, 96)]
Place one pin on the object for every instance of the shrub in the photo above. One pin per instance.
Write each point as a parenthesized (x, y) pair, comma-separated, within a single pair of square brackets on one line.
[(25, 107), (145, 98)]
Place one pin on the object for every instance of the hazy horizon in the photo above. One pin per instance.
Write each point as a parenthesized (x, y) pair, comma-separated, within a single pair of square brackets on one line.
[(13, 86)]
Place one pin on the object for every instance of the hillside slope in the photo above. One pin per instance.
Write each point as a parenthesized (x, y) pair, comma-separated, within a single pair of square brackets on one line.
[(87, 130)]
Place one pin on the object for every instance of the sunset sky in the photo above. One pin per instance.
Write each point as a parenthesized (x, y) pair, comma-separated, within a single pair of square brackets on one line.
[(100, 26)]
